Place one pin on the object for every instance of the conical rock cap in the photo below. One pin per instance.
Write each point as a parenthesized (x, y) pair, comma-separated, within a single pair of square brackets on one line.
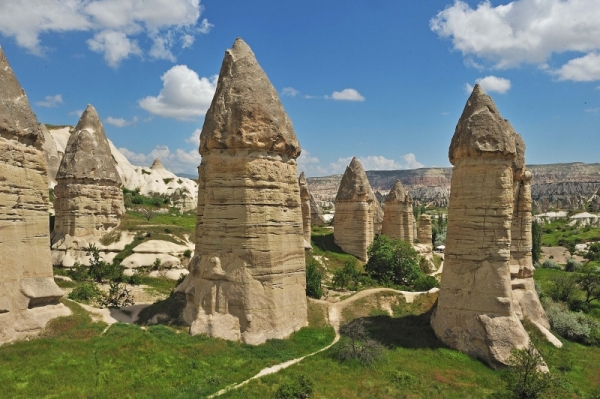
[(157, 165), (481, 129), (355, 184), (398, 194), (17, 120), (87, 154), (246, 112)]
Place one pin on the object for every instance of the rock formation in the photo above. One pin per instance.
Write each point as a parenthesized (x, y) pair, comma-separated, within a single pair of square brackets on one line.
[(305, 204), (89, 201), (354, 212), (316, 214), (377, 216), (398, 219), (247, 278), (425, 233), (53, 158), (475, 312), (28, 295)]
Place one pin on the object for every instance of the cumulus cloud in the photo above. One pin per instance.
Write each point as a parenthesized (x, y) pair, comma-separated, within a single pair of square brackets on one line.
[(194, 138), (313, 167), (523, 31), (116, 25), (583, 69), (77, 112), (289, 91), (347, 95), (120, 122), (50, 101), (184, 96), (490, 84), (178, 161)]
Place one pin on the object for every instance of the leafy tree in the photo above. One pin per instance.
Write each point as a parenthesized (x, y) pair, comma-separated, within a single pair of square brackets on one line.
[(357, 343), (99, 269), (525, 378), (588, 279), (536, 233), (348, 276), (593, 252), (313, 279), (393, 261), (564, 287)]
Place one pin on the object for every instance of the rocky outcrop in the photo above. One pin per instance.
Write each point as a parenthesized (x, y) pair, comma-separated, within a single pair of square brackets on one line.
[(425, 232), (53, 158), (377, 216), (316, 214), (247, 278), (398, 219), (354, 212), (305, 204), (89, 200), (29, 298), (475, 312)]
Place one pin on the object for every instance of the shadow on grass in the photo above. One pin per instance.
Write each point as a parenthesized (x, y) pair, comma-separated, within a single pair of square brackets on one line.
[(325, 243), (168, 311)]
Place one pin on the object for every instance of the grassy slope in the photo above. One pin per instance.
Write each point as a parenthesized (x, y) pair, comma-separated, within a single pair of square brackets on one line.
[(559, 231), (75, 361)]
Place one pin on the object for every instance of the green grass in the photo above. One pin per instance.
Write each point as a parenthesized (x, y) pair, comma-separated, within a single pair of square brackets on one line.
[(160, 285), (323, 245), (74, 360), (558, 232)]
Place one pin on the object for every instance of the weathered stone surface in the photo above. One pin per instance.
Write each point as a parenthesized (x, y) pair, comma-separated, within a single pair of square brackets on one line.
[(354, 212), (425, 232), (247, 278), (28, 295), (53, 158), (475, 308), (305, 203), (398, 219), (377, 216), (316, 214), (89, 201)]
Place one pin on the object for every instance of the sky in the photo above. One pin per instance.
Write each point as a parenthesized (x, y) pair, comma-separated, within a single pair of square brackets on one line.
[(382, 80)]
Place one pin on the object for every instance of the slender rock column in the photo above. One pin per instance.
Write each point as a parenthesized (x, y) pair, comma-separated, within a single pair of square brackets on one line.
[(306, 216), (425, 232), (398, 219)]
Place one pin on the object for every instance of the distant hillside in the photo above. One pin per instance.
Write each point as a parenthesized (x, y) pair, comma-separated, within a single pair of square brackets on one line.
[(566, 185)]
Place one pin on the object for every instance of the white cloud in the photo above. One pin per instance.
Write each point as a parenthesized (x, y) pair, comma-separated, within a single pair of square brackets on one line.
[(184, 95), (312, 166), (289, 91), (177, 161), (194, 138), (120, 122), (522, 31), (116, 25), (50, 101), (347, 95), (593, 110), (584, 69), (77, 112), (490, 84)]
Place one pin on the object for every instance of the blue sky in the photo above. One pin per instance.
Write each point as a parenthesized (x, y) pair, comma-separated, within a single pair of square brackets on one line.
[(384, 80)]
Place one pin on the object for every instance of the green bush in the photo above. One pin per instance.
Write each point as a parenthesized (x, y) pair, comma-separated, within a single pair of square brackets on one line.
[(563, 288), (425, 283), (393, 261), (549, 264), (79, 272), (313, 279), (85, 292), (301, 388), (187, 253), (524, 379), (348, 276), (571, 325), (99, 269), (118, 296), (137, 199), (134, 279), (572, 265)]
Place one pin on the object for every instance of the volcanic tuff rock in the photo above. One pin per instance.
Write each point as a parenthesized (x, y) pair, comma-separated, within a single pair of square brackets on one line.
[(377, 216), (247, 278), (398, 219), (89, 201), (28, 295), (316, 214), (424, 232), (305, 204), (475, 311), (53, 158), (354, 212)]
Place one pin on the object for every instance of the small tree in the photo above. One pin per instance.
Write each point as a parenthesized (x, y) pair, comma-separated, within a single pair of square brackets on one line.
[(148, 214), (564, 287), (348, 276), (99, 269), (536, 233), (313, 279), (393, 261), (589, 281), (525, 378), (358, 344), (593, 252)]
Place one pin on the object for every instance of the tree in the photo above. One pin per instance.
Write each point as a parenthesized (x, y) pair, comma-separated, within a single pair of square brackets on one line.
[(525, 378), (588, 279), (536, 233), (393, 261), (99, 269), (563, 287), (358, 344), (593, 253), (346, 276), (313, 279)]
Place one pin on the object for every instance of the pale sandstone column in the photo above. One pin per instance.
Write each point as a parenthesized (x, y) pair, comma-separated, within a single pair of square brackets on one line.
[(398, 219), (354, 210), (425, 232), (306, 216), (29, 298), (474, 312), (247, 278), (377, 216)]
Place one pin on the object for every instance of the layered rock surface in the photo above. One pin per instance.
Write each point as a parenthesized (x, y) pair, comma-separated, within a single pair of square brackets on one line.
[(354, 212), (247, 278), (89, 200), (305, 204), (475, 312), (28, 295), (398, 219), (425, 232)]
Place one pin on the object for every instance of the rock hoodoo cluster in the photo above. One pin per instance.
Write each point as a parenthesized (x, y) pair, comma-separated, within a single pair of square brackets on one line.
[(425, 232), (306, 216), (28, 295), (398, 219), (476, 312), (247, 278), (89, 201), (354, 212)]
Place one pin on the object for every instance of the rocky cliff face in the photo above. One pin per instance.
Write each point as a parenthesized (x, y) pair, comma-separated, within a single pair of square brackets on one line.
[(565, 186), (28, 295), (247, 278)]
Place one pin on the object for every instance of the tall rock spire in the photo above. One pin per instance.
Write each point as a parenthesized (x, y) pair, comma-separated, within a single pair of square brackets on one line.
[(247, 278), (398, 218)]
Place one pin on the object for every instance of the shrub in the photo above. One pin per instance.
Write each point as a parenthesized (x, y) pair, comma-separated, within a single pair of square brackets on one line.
[(85, 292), (425, 265), (79, 272), (187, 253), (588, 280), (395, 261), (425, 283), (549, 264), (313, 279), (301, 388), (357, 344), (348, 276), (536, 235), (524, 379), (99, 269), (563, 288), (137, 199), (135, 278), (118, 296), (570, 325), (572, 265)]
